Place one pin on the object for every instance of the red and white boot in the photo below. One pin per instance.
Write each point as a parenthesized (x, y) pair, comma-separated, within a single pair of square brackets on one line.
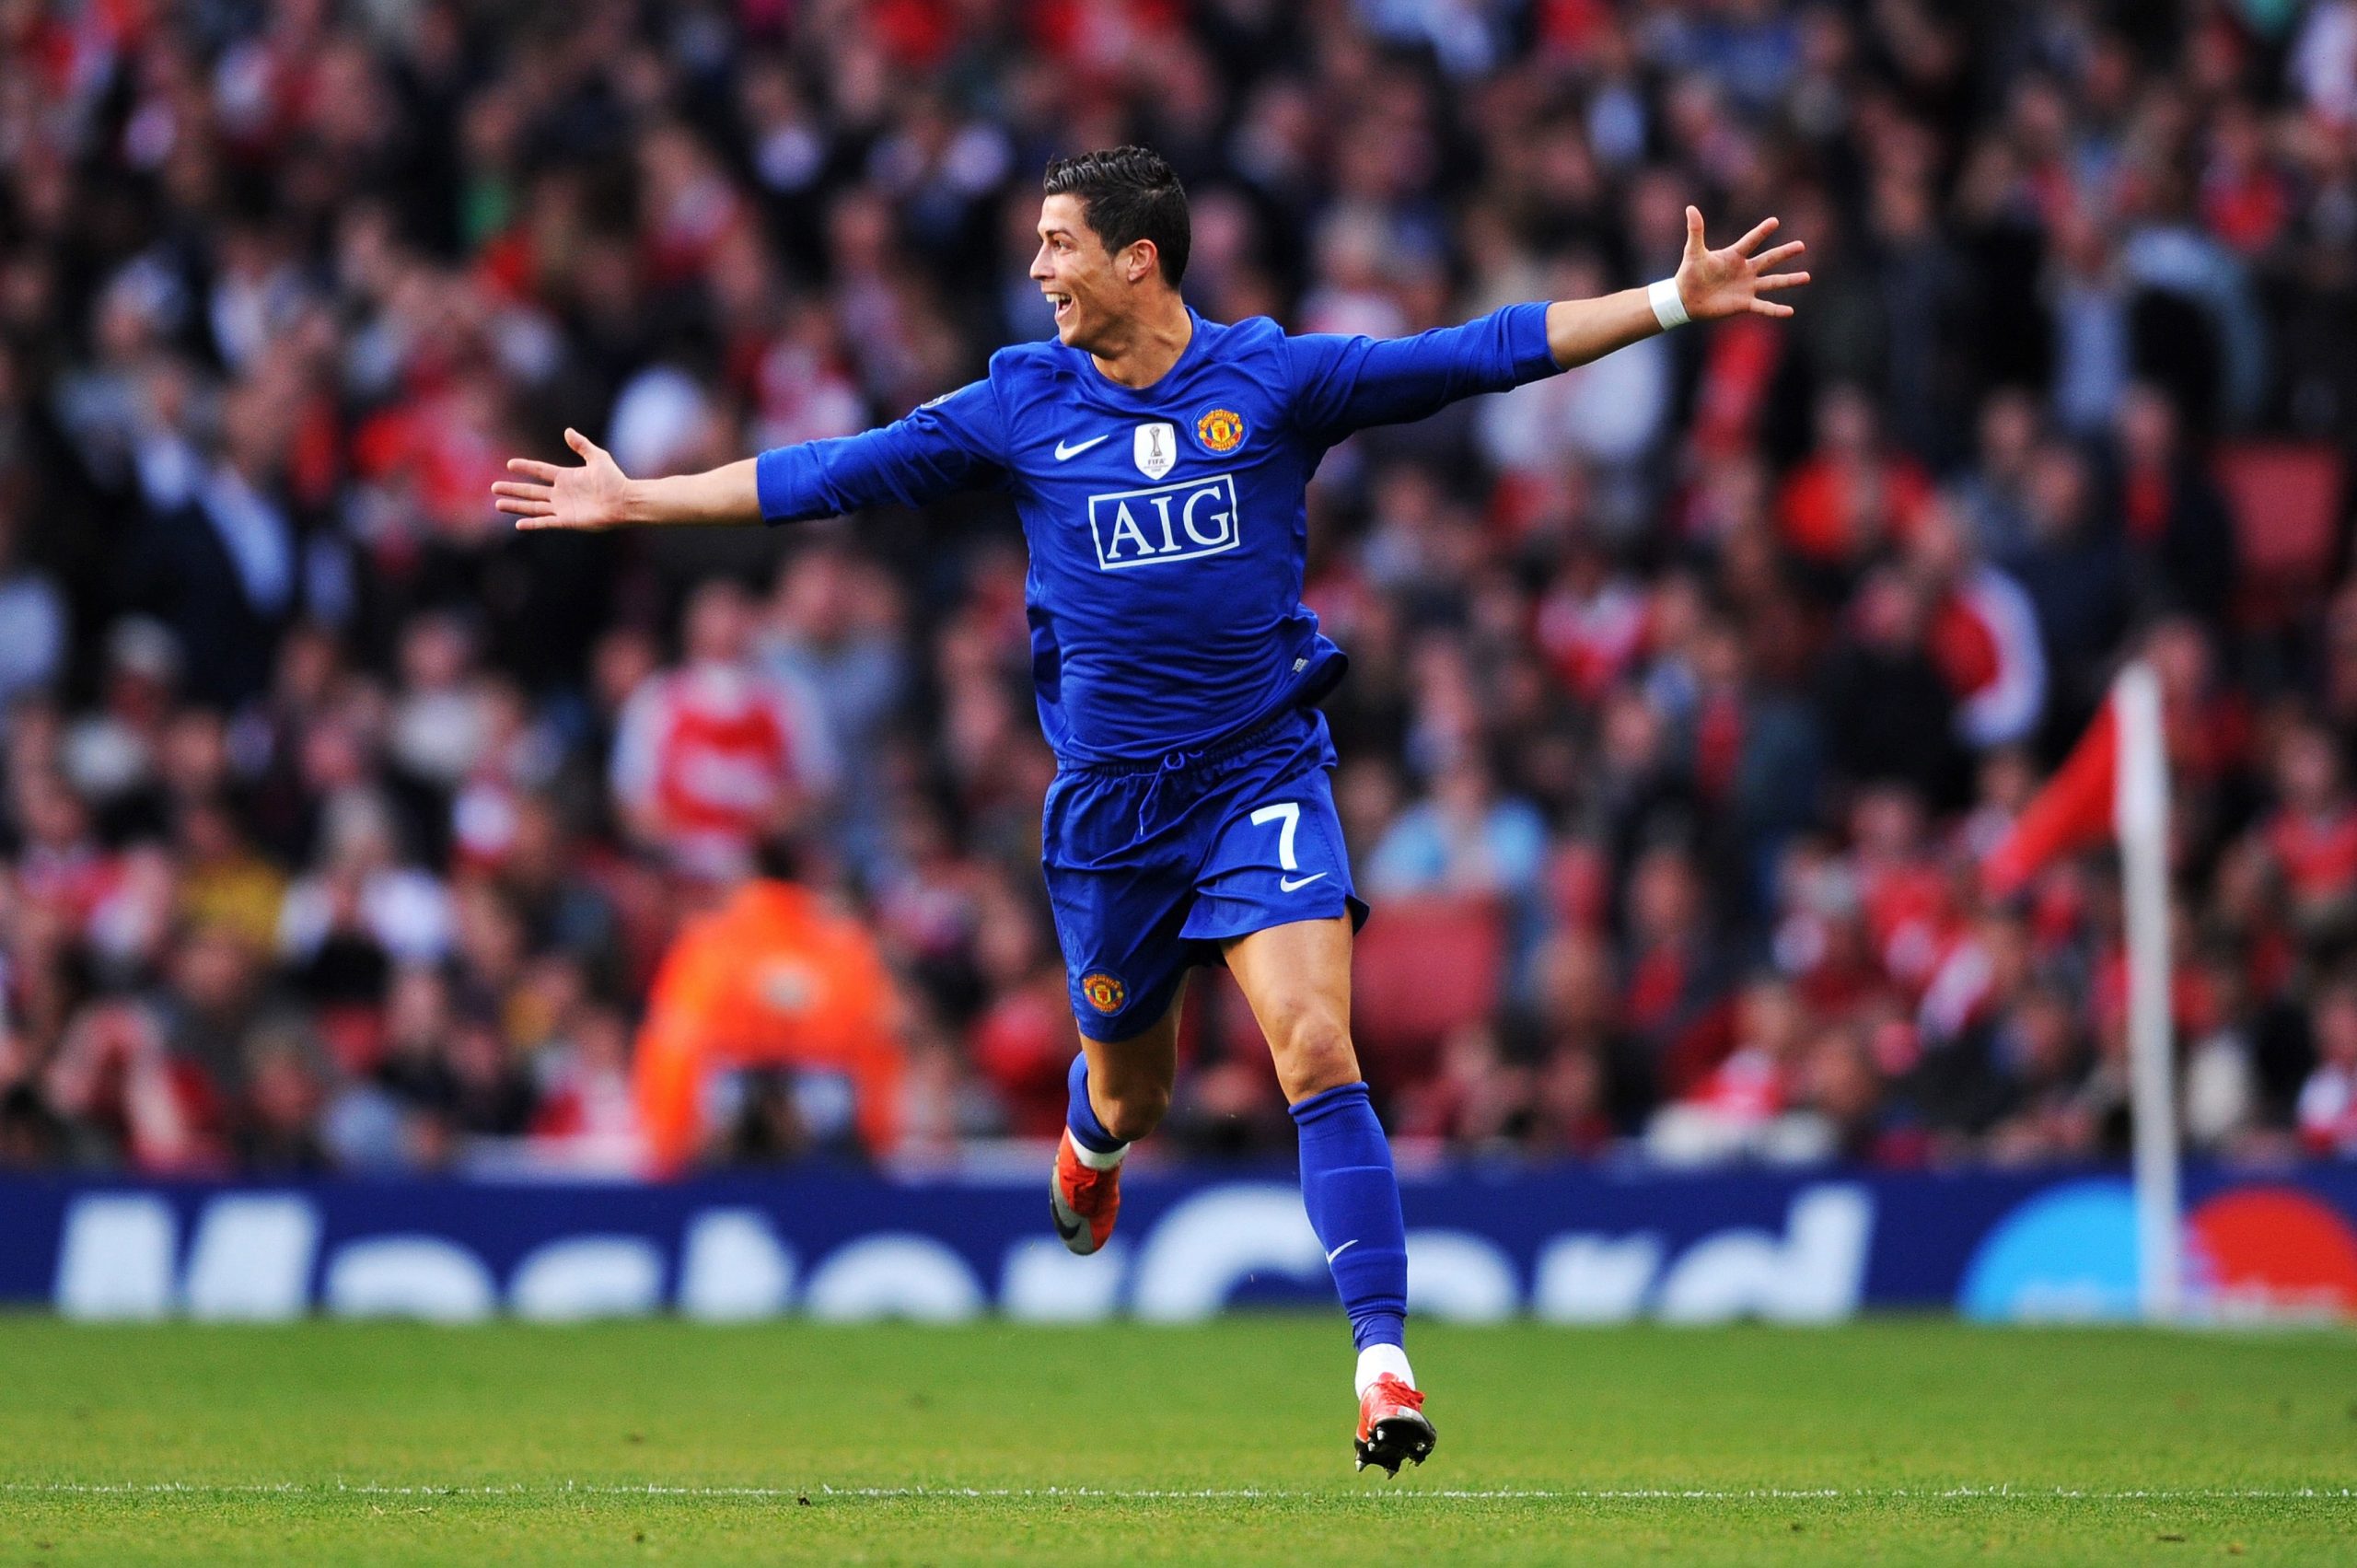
[(1082, 1199), (1392, 1425)]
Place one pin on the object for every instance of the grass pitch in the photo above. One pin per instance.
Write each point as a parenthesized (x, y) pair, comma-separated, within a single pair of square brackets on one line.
[(646, 1443)]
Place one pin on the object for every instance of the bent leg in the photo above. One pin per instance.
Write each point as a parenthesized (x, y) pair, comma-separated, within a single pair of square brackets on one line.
[(1121, 1088), (1297, 979)]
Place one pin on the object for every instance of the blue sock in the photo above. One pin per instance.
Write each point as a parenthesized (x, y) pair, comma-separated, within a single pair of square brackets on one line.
[(1081, 1117), (1354, 1203)]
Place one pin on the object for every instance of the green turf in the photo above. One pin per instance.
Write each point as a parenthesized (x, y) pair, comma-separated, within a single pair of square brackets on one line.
[(666, 1443)]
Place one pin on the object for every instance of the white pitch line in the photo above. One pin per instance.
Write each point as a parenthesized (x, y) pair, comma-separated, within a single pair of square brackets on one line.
[(1118, 1494)]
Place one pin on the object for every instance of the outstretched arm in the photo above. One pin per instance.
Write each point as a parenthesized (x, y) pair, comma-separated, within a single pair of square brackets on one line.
[(599, 495), (1341, 384), (1710, 284), (951, 443)]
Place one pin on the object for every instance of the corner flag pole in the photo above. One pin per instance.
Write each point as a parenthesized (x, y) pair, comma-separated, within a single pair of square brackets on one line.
[(2141, 818)]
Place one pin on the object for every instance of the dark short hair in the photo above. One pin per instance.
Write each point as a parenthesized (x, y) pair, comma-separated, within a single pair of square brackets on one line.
[(1128, 194)]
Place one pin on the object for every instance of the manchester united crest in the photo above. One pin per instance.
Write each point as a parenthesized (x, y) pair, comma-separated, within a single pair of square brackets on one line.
[(1220, 430), (1104, 992)]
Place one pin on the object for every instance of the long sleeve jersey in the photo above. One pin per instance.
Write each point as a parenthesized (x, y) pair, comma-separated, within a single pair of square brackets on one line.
[(1167, 524)]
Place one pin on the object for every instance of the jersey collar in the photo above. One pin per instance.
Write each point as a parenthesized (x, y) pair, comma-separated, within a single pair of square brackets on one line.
[(1157, 390)]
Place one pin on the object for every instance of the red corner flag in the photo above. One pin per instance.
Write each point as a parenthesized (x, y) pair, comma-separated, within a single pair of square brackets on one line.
[(2117, 781), (2077, 808)]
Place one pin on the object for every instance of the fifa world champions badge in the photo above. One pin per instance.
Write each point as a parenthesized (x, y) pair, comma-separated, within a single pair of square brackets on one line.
[(1105, 992), (1220, 430), (1155, 447)]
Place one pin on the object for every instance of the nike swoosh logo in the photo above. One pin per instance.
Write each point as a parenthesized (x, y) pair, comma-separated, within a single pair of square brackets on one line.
[(1287, 884), (1353, 1241), (1064, 451)]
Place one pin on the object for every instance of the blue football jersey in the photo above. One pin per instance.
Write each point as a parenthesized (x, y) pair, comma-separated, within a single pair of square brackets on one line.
[(1167, 524)]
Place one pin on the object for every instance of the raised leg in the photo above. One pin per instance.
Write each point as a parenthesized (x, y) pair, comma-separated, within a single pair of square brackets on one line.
[(1118, 1094), (1121, 1090)]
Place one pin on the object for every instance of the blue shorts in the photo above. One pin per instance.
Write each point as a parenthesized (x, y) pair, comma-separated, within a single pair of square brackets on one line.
[(1151, 865)]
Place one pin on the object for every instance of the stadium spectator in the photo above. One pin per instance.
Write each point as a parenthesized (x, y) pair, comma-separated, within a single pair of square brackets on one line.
[(710, 755), (340, 827), (1738, 1107), (2077, 576), (2312, 831), (835, 631), (34, 621), (1464, 839), (1891, 709), (2327, 1109), (2180, 541), (1983, 633), (1019, 1037), (772, 978)]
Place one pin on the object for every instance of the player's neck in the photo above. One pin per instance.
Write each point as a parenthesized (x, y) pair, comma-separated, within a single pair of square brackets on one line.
[(1150, 344)]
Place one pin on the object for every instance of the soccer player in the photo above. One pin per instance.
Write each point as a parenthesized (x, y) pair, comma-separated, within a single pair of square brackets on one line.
[(1159, 462)]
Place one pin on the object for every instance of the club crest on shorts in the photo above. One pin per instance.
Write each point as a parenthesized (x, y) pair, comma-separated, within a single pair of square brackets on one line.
[(1220, 430), (1105, 992), (1155, 447)]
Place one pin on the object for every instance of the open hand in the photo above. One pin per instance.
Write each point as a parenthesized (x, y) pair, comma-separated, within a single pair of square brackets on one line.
[(590, 497), (1715, 283)]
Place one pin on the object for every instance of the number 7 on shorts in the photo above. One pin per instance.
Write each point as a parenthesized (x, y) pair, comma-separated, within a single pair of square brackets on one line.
[(1289, 812)]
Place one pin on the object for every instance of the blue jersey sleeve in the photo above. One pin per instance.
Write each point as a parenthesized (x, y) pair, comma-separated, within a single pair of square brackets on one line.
[(1340, 384), (953, 442)]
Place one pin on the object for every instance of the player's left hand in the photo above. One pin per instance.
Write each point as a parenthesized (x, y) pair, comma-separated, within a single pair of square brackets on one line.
[(1715, 283)]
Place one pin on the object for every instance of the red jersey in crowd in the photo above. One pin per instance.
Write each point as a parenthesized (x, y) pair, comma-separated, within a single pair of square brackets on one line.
[(1750, 1088), (2317, 851), (1983, 636), (704, 756)]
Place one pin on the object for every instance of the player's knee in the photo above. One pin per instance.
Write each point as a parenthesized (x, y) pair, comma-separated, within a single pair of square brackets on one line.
[(1315, 1054), (1135, 1114)]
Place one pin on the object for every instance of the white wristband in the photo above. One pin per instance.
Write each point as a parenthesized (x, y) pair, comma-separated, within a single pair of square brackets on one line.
[(1668, 309)]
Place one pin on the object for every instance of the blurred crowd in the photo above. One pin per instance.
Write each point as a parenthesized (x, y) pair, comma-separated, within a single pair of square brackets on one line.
[(345, 828)]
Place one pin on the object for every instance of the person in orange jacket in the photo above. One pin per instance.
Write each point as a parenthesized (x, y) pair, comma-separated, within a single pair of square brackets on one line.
[(773, 977)]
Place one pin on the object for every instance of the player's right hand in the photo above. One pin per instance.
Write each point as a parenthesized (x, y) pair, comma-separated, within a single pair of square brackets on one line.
[(590, 497)]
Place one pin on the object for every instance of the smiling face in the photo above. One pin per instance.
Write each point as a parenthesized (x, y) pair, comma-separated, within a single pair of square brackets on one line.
[(1092, 291)]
